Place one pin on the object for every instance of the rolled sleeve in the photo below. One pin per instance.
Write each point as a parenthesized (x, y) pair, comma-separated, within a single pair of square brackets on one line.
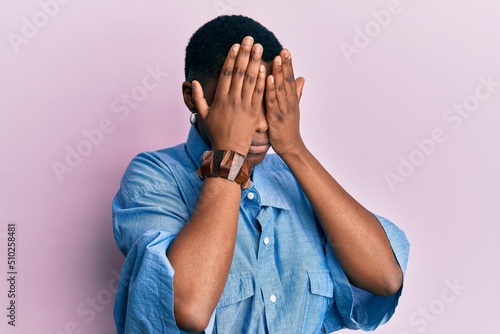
[(148, 213), (358, 308), (144, 300)]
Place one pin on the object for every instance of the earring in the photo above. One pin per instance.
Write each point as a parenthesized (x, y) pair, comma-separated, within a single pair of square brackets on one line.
[(192, 118)]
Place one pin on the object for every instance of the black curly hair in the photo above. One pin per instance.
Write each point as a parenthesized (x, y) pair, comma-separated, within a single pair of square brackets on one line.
[(210, 44)]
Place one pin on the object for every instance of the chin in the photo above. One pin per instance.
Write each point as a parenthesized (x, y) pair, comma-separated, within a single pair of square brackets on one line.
[(255, 158)]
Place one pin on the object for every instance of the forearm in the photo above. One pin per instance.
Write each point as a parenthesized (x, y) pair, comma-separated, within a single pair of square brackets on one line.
[(356, 236), (202, 252)]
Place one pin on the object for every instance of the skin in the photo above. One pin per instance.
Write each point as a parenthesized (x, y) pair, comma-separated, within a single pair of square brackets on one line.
[(251, 107)]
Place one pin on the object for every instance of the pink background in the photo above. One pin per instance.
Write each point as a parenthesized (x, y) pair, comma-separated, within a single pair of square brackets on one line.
[(360, 113)]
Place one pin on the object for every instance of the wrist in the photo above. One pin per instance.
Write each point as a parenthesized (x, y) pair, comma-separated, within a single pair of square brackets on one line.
[(294, 152), (215, 184), (229, 165), (238, 146)]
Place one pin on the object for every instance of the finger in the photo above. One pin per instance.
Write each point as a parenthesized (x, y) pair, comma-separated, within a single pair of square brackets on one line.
[(299, 85), (288, 76), (260, 87), (279, 82), (272, 107), (240, 67), (252, 73), (200, 103), (226, 73)]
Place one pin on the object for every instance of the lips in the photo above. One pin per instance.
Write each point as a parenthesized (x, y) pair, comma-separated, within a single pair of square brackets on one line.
[(258, 147)]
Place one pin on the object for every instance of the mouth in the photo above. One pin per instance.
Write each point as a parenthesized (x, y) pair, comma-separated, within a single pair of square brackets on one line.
[(258, 147)]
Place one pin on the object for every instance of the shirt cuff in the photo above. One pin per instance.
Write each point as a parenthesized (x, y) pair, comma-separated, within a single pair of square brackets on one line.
[(361, 309)]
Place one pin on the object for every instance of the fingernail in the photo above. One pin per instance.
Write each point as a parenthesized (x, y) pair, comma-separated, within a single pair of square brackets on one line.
[(262, 68), (257, 48), (247, 40), (278, 61), (288, 55), (236, 48), (271, 79)]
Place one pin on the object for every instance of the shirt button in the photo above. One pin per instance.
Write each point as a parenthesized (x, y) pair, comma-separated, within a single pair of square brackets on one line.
[(266, 241), (250, 195), (272, 298)]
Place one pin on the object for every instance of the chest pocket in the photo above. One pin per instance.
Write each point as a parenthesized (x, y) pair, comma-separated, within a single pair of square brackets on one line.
[(319, 300), (238, 287), (234, 305), (320, 283)]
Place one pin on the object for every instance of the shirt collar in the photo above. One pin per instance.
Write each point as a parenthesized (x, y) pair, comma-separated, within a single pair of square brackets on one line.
[(266, 180), (195, 145)]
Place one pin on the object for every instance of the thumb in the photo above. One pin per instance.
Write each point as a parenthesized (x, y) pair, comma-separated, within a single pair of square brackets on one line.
[(199, 100), (299, 85)]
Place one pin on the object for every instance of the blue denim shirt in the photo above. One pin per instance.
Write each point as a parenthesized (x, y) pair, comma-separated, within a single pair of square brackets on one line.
[(284, 277)]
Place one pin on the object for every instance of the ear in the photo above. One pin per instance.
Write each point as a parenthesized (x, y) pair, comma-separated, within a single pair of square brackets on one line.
[(187, 93)]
